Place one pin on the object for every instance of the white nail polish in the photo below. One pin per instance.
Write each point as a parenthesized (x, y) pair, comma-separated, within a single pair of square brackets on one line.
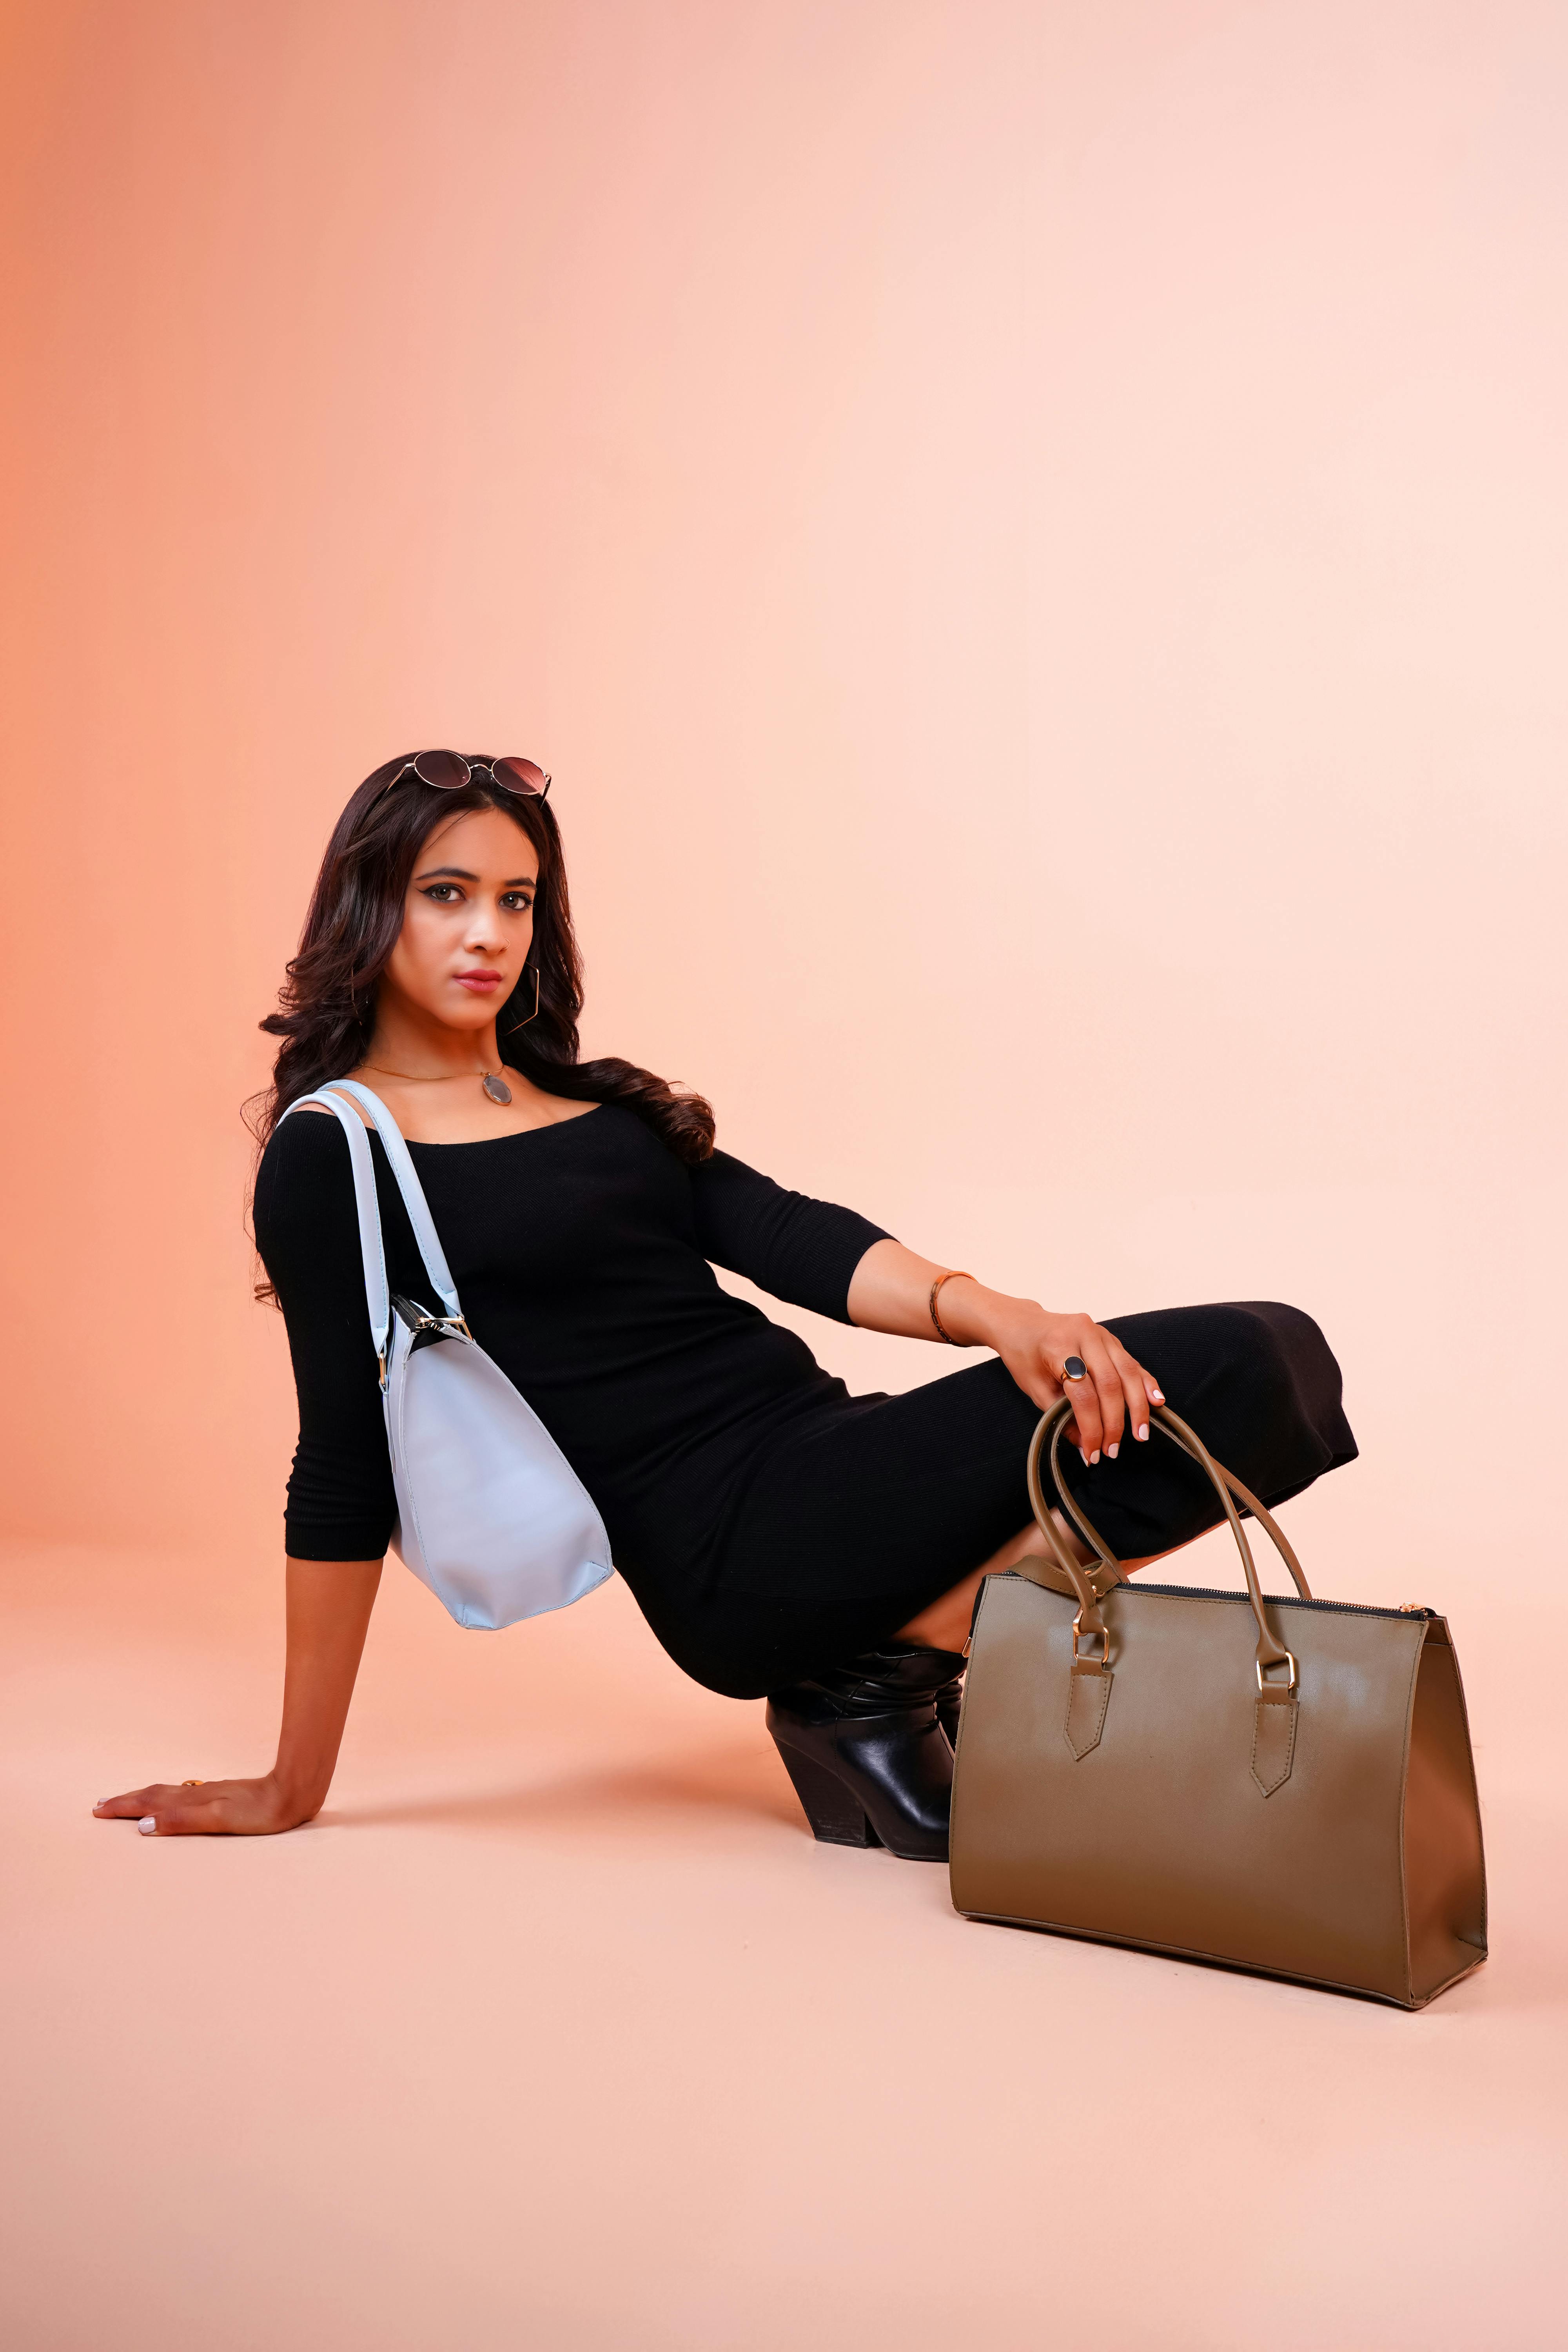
[(147, 1824), (1142, 1433), (1110, 1450), (1094, 1457)]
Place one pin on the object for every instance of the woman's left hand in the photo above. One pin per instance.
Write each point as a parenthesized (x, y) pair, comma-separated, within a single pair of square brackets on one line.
[(892, 1289), (1115, 1392)]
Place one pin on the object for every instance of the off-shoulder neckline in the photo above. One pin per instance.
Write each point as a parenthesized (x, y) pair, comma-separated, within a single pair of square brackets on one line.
[(480, 1142), (513, 1135)]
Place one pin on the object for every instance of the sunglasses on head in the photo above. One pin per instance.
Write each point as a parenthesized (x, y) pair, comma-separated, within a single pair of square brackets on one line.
[(448, 771)]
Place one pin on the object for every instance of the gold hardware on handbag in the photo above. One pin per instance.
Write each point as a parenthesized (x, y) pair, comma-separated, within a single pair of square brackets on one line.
[(1283, 1785)]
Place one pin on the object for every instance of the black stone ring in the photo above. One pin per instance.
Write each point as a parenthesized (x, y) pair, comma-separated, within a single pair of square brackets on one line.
[(1075, 1369)]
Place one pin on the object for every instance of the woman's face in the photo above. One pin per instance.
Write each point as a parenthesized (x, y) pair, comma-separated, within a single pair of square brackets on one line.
[(468, 921)]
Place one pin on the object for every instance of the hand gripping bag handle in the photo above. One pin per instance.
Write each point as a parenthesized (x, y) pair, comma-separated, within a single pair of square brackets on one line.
[(1271, 1651)]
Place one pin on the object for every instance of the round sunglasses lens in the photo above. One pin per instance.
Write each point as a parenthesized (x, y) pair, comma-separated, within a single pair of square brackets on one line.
[(521, 776), (444, 769)]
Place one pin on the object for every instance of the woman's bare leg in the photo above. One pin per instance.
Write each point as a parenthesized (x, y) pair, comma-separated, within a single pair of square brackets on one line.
[(944, 1625)]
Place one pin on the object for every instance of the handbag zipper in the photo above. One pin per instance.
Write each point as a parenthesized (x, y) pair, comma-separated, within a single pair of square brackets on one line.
[(1281, 1599)]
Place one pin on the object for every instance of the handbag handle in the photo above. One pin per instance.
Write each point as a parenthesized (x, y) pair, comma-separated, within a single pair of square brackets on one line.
[(373, 1256), (1191, 1444), (373, 1252), (412, 1193), (1271, 1651)]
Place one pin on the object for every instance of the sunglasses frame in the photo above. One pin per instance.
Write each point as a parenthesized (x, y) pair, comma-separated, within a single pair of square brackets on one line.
[(470, 769)]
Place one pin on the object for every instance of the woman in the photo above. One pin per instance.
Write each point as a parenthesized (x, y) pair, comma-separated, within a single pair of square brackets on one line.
[(781, 1537)]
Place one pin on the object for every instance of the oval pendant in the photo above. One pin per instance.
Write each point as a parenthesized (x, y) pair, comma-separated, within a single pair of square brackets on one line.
[(496, 1088)]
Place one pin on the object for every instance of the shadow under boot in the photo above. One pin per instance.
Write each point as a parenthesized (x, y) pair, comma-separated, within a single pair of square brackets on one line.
[(867, 1752)]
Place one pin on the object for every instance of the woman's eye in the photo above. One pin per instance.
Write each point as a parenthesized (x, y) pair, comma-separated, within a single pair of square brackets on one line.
[(517, 901), (443, 893)]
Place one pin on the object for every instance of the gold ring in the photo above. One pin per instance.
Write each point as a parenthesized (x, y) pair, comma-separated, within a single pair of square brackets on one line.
[(193, 1784), (1068, 1372)]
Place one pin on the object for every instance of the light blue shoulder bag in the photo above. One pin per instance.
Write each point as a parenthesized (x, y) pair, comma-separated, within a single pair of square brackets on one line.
[(490, 1514)]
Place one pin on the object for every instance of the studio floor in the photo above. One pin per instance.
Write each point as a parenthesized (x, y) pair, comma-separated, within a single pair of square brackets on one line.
[(557, 2029)]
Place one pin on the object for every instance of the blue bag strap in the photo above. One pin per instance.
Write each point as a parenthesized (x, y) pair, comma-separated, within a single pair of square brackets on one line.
[(377, 1298), (408, 1184)]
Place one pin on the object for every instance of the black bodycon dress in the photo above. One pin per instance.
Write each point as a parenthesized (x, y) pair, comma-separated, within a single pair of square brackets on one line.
[(769, 1524)]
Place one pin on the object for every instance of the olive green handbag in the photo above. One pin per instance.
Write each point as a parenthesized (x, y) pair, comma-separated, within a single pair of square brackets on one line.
[(1280, 1784)]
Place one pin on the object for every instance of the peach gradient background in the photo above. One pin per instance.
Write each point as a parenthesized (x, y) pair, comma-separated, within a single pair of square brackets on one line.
[(960, 495)]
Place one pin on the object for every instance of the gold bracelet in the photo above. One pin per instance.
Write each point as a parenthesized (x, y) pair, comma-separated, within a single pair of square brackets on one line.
[(954, 1274)]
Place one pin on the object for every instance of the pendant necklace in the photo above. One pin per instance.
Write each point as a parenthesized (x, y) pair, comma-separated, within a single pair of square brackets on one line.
[(494, 1085)]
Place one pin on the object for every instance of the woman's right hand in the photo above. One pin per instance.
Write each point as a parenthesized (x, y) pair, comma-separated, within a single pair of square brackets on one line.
[(330, 1601), (210, 1808)]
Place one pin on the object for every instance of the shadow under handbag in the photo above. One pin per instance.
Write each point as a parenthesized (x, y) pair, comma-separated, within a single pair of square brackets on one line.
[(1283, 1785)]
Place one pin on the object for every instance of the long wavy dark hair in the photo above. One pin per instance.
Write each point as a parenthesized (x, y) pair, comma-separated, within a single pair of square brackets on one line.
[(326, 1005)]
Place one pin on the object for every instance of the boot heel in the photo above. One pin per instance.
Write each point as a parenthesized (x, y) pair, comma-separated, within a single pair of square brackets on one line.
[(835, 1815)]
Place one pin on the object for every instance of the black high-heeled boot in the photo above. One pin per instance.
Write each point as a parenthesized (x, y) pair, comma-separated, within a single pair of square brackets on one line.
[(869, 1759)]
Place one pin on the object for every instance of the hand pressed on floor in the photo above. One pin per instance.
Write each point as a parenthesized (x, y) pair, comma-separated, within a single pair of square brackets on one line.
[(212, 1807)]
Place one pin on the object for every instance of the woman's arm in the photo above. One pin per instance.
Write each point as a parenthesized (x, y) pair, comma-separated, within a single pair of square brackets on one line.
[(329, 1606), (786, 1243), (341, 1507), (889, 1290)]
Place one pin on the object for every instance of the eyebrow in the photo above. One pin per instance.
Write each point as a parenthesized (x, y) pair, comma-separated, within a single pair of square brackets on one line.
[(461, 874)]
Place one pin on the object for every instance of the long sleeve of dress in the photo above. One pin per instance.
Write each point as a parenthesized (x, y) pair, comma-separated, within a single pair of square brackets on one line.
[(341, 1500), (787, 1243)]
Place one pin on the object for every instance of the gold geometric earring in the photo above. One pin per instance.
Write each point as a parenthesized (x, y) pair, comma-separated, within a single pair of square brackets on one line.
[(535, 1015)]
